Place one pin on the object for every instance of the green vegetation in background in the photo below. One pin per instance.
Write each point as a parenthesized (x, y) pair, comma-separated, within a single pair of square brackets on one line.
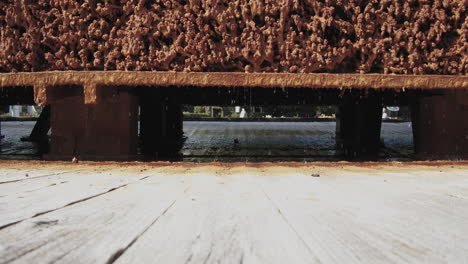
[(292, 111)]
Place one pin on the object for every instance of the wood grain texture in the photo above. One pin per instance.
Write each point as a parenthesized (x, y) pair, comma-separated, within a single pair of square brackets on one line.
[(223, 219), (393, 218), (13, 175), (224, 213), (91, 79), (94, 231), (25, 199)]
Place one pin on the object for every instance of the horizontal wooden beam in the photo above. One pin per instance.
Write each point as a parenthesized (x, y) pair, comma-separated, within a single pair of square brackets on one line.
[(235, 79), (93, 82)]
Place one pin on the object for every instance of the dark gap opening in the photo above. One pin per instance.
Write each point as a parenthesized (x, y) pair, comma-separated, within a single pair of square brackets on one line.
[(396, 133), (271, 124), (16, 124), (259, 133), (233, 123)]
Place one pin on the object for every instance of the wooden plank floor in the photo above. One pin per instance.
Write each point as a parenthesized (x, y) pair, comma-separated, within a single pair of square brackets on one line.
[(234, 213)]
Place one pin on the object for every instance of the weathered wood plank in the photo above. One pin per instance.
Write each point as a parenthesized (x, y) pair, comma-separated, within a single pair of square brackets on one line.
[(231, 79), (379, 218), (15, 175), (222, 219), (25, 199), (233, 213), (95, 231)]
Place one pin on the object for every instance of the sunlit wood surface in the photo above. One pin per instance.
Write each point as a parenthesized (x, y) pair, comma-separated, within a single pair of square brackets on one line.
[(233, 213)]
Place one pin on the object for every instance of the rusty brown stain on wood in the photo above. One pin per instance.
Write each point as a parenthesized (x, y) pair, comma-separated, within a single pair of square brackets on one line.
[(40, 94), (90, 93)]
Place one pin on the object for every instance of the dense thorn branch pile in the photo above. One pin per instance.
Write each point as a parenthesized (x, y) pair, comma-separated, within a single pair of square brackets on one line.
[(373, 36)]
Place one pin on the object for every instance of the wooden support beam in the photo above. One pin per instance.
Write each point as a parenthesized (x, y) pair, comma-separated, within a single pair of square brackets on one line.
[(90, 93), (440, 125), (93, 79), (105, 131), (95, 94), (49, 94), (358, 125), (161, 124), (40, 94)]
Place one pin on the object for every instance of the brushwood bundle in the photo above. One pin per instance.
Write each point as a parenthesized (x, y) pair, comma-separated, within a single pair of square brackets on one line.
[(306, 36)]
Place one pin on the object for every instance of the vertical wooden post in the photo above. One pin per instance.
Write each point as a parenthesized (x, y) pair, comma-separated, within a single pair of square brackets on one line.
[(104, 131), (440, 125), (161, 123), (358, 125)]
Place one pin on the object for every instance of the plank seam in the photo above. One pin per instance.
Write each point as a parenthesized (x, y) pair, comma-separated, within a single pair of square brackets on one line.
[(25, 253), (67, 205), (40, 176), (288, 223), (117, 254), (90, 197)]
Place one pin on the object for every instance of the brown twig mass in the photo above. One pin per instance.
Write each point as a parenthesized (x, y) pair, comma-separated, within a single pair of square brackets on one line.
[(336, 36)]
